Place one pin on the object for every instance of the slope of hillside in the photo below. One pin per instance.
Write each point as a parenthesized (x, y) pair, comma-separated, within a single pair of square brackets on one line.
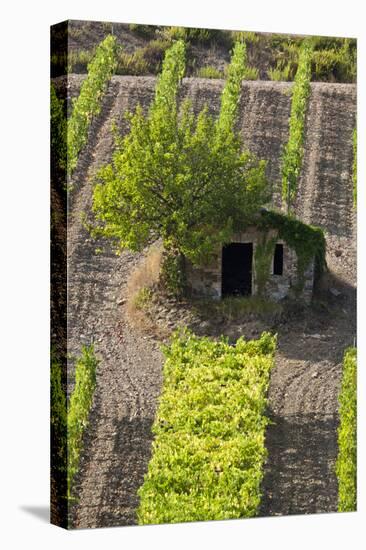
[(305, 381)]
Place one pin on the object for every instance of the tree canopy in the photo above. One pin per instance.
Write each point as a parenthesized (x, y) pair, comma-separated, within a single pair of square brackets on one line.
[(177, 176)]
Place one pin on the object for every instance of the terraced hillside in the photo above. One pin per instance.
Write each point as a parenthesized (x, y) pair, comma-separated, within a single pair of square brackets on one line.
[(305, 381)]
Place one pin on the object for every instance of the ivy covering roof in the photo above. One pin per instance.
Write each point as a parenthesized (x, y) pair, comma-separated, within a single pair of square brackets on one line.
[(308, 241)]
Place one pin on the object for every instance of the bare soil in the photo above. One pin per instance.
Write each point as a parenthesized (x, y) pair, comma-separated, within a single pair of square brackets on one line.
[(302, 439)]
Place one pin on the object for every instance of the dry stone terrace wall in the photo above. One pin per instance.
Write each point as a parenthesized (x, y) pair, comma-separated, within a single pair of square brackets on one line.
[(325, 186)]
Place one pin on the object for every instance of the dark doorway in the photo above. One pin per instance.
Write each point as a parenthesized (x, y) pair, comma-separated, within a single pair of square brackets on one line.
[(237, 269), (278, 260)]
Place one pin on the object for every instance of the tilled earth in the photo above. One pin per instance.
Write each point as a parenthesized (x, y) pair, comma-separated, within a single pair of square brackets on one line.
[(302, 437)]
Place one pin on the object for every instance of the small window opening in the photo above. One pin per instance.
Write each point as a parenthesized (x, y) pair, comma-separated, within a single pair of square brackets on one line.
[(278, 260)]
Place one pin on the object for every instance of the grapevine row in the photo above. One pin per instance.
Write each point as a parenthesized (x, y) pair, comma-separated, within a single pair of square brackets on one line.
[(293, 151), (346, 466), (69, 419), (87, 104), (209, 450)]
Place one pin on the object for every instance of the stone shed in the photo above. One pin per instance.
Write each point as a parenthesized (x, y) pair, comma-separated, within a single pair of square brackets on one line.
[(275, 257)]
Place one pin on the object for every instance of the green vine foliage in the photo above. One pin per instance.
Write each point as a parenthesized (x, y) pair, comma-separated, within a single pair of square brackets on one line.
[(173, 169), (354, 175), (69, 418), (209, 449), (58, 131), (346, 465), (58, 434), (78, 410), (58, 402), (262, 261), (231, 94), (165, 101), (173, 272), (306, 240), (293, 151), (87, 104)]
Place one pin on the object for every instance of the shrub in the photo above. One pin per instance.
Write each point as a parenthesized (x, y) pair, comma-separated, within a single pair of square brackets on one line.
[(131, 63), (153, 54), (209, 72), (278, 41), (196, 36), (78, 60), (143, 60), (59, 64), (248, 37), (334, 59), (287, 60), (205, 36), (145, 31), (208, 452), (327, 42), (58, 430), (324, 63), (173, 33), (251, 73), (280, 74), (74, 61), (346, 465)]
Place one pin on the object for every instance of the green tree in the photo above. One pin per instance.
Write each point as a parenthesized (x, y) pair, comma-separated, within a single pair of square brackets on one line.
[(179, 177)]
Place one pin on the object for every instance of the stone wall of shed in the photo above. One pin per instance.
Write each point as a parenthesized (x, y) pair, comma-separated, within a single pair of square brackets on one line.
[(206, 281)]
